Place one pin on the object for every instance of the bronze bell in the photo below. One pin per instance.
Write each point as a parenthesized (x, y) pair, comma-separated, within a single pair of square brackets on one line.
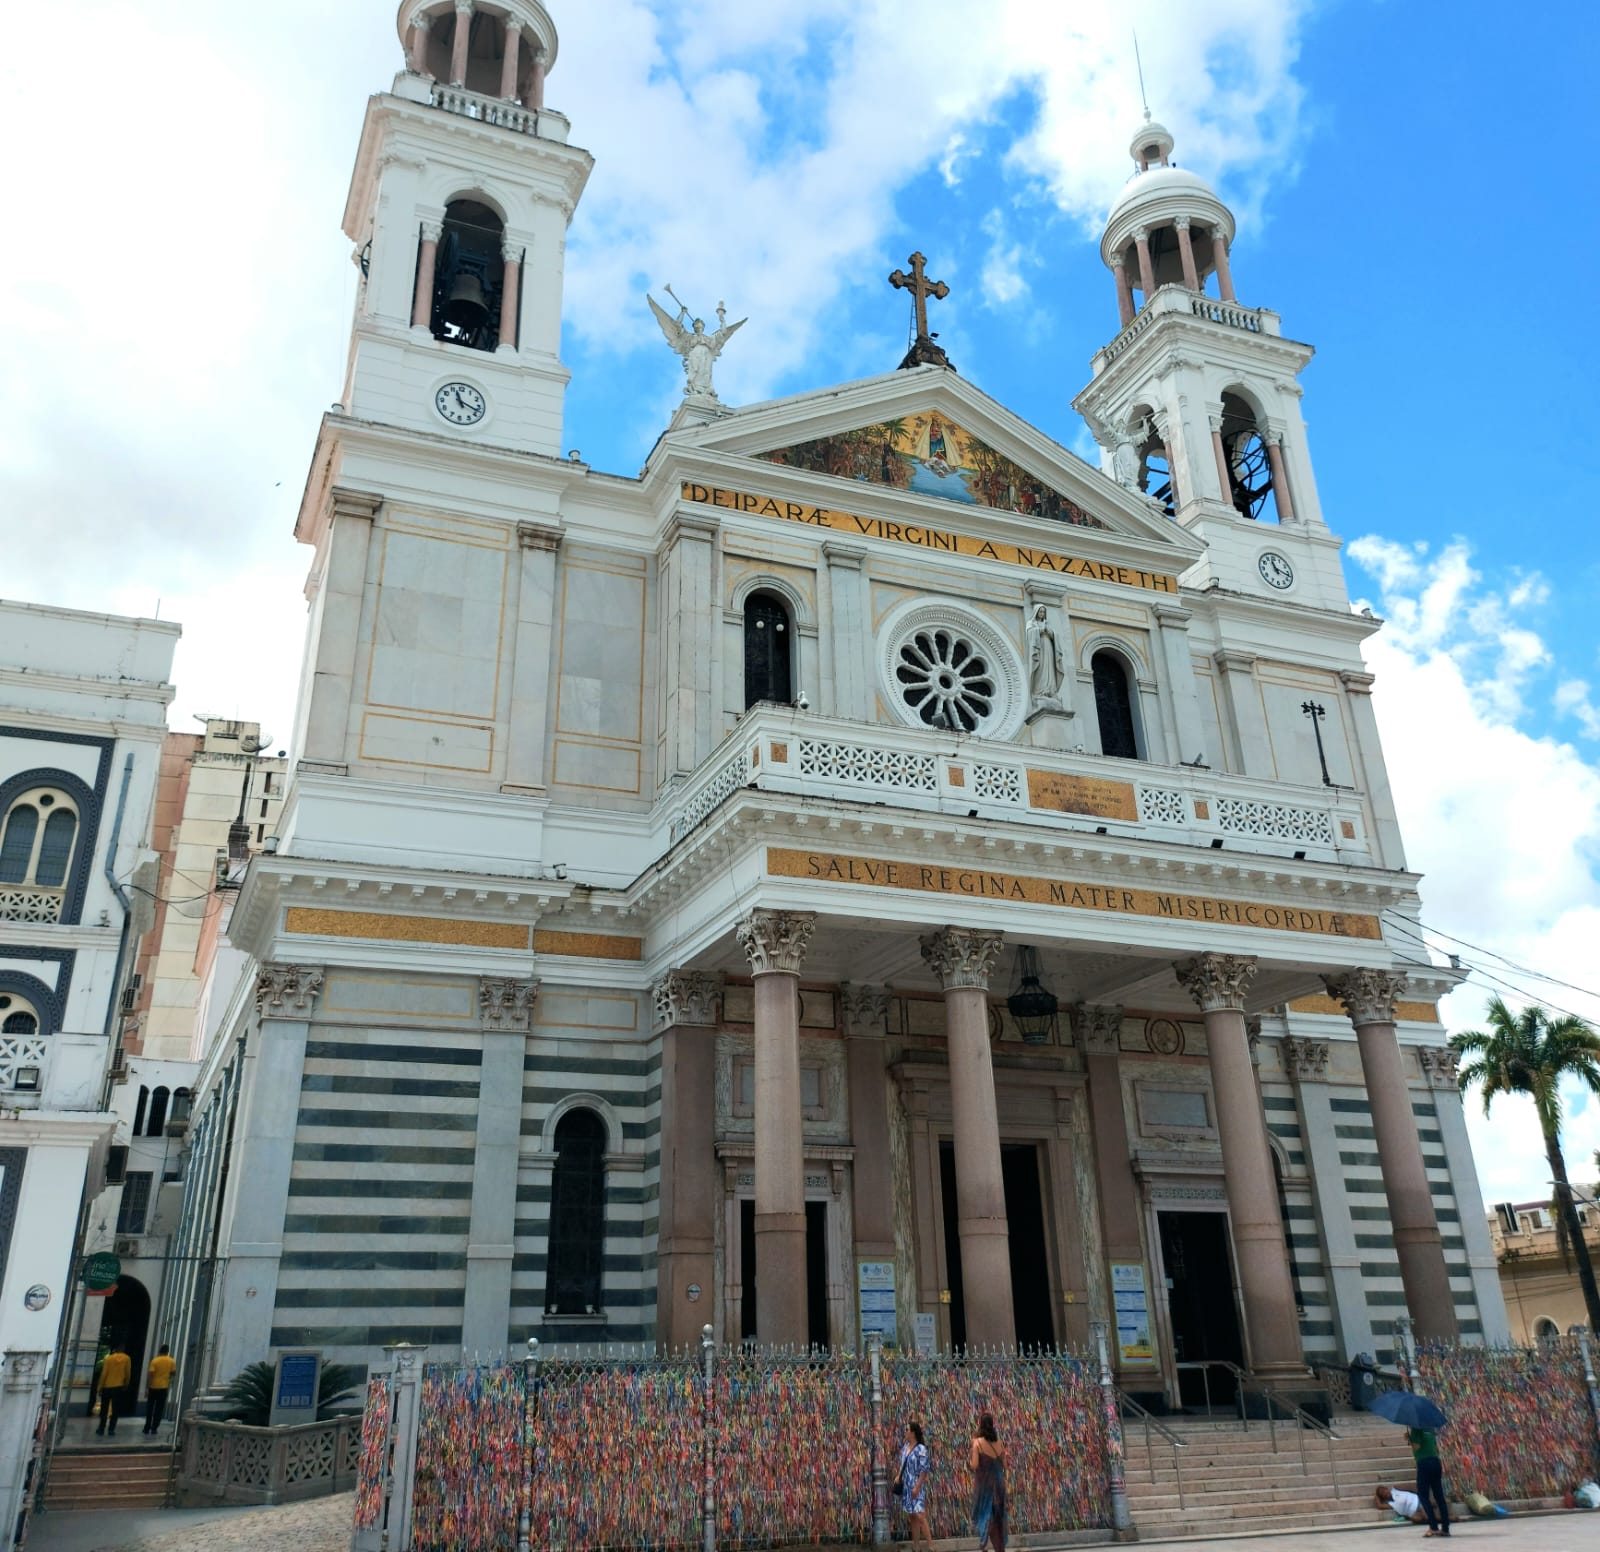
[(465, 307)]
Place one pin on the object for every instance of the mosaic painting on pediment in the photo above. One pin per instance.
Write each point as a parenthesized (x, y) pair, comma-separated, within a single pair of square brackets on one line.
[(930, 455)]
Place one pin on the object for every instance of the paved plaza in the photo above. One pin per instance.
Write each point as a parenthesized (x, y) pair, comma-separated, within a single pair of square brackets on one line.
[(324, 1526)]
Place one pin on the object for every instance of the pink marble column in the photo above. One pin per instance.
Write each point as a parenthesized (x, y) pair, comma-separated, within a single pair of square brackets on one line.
[(510, 286), (1280, 485), (1224, 483), (419, 43), (1217, 982), (1219, 256), (509, 65), (1191, 275), (962, 959), (1147, 274), (866, 1011), (458, 54), (536, 90), (1368, 997), (1125, 307), (427, 258), (775, 943)]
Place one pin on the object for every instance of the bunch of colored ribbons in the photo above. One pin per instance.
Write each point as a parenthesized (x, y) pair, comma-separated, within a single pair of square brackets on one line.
[(469, 1459), (374, 1446)]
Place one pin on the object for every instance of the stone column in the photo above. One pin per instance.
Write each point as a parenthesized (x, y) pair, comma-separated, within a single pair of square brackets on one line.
[(1172, 621), (258, 1179), (1125, 307), (1147, 273), (536, 88), (337, 624), (530, 662), (1217, 982), (776, 943), (849, 627), (1163, 431), (1219, 257), (21, 1390), (962, 960), (510, 284), (427, 262), (1098, 1030), (1306, 1064), (1191, 275), (1280, 482), (1224, 484), (866, 1011), (458, 55), (510, 64), (505, 1009), (1368, 997), (687, 558), (684, 1006), (419, 42)]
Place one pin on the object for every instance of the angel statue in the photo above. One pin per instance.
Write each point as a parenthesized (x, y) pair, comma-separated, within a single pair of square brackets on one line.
[(698, 349)]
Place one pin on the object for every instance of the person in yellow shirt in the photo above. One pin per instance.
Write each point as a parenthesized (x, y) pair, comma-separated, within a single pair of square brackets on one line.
[(158, 1381), (115, 1373)]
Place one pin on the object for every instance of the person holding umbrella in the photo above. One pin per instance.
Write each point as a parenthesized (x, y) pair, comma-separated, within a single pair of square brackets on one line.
[(1421, 1420)]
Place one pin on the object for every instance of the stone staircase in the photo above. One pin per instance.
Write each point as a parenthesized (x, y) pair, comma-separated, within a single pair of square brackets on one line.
[(114, 1477), (1233, 1483)]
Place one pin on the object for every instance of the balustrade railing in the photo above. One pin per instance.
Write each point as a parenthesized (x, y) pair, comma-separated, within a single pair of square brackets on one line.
[(1192, 304), (30, 905), (499, 111), (230, 1463)]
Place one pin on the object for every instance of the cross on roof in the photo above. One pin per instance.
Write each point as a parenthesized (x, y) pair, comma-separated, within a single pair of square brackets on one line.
[(923, 349)]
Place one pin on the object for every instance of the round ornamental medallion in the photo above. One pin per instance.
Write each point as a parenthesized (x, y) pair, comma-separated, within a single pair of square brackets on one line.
[(950, 669), (1164, 1037)]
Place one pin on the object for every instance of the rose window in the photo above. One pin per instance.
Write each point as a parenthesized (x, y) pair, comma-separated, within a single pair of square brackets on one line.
[(945, 680)]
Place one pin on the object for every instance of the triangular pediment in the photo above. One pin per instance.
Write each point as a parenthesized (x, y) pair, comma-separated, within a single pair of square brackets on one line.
[(930, 435)]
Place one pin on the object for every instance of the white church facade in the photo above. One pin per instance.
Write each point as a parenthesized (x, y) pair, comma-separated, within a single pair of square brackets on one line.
[(870, 871)]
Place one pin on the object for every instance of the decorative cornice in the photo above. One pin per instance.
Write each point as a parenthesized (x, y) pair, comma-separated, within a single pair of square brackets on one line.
[(1368, 995), (1217, 982), (866, 1009), (432, 231), (961, 956), (1182, 222), (359, 504), (1306, 1061), (776, 940), (505, 1002), (1097, 1027), (685, 997), (1116, 259), (537, 536), (511, 252), (1356, 682), (1233, 662), (287, 991), (1440, 1065)]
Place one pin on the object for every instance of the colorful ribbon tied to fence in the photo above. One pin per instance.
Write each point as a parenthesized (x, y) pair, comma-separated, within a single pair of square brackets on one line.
[(374, 1450), (469, 1459), (1050, 1417), (1521, 1425)]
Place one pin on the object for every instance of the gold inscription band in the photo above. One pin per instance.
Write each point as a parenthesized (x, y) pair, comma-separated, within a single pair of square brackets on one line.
[(981, 883), (381, 926), (924, 537), (587, 945), (1082, 795)]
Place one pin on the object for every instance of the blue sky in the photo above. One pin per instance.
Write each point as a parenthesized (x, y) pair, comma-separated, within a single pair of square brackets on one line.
[(1415, 195)]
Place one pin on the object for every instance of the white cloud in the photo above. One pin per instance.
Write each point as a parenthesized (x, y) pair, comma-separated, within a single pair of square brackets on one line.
[(1572, 699), (1503, 823), (1001, 278)]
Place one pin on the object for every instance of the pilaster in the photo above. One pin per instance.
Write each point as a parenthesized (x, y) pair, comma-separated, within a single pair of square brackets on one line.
[(687, 559), (1183, 697), (1247, 716), (539, 548), (866, 1011), (851, 625), (335, 627)]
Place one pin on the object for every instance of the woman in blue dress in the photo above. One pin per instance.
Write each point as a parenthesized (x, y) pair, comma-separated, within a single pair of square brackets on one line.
[(988, 1487), (914, 1484)]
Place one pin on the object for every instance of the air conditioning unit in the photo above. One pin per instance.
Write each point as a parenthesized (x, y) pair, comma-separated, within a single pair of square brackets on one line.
[(119, 1073), (127, 1247), (130, 992), (1508, 1216)]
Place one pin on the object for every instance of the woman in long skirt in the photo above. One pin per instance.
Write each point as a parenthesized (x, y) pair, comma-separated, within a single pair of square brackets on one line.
[(988, 1487)]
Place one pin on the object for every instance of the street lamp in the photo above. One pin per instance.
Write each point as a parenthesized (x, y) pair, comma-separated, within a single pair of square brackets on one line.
[(1032, 1005)]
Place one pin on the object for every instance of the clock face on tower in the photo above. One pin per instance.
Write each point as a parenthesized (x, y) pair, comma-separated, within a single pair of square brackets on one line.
[(460, 403), (1275, 570)]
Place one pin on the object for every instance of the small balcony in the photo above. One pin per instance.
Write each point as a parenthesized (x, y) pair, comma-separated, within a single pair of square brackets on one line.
[(27, 904), (778, 749), (1180, 301), (500, 112)]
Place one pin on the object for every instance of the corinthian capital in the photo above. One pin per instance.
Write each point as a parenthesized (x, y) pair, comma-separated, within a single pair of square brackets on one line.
[(960, 956), (1368, 995), (776, 940), (686, 997), (287, 991), (866, 1008), (1097, 1028), (1217, 981), (1306, 1061), (505, 1003), (1440, 1065)]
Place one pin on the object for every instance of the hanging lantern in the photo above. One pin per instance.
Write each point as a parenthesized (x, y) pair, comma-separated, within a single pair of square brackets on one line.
[(1031, 1004)]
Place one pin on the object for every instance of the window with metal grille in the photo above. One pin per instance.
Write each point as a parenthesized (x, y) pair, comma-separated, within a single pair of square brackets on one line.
[(135, 1202), (1113, 704), (577, 1216), (768, 650), (37, 840)]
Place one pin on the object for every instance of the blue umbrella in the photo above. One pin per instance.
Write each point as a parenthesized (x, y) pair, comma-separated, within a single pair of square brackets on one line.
[(1408, 1409)]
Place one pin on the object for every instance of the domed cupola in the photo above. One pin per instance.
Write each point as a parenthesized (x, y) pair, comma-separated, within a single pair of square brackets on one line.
[(1166, 228)]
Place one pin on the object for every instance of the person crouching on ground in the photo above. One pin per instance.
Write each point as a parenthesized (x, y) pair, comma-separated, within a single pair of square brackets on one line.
[(913, 1484), (1407, 1505)]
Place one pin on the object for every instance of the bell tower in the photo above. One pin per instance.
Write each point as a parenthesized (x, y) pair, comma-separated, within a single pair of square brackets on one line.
[(1195, 402), (463, 189)]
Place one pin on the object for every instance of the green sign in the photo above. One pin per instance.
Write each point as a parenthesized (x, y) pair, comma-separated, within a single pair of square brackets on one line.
[(101, 1272)]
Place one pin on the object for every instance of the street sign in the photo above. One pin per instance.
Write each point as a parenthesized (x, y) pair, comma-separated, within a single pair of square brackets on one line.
[(100, 1272)]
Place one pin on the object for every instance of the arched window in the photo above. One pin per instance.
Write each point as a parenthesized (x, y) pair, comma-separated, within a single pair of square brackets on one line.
[(139, 1110), (768, 650), (18, 1016), (1113, 704), (577, 1216), (158, 1113), (1249, 465), (36, 845), (469, 271)]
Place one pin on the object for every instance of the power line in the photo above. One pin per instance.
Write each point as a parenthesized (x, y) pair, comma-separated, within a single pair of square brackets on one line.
[(1416, 929)]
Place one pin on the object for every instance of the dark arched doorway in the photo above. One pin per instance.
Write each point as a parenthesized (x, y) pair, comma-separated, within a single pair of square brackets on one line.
[(126, 1319)]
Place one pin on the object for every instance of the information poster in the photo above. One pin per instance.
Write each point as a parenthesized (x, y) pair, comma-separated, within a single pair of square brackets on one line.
[(1133, 1312), (875, 1288), (927, 1333)]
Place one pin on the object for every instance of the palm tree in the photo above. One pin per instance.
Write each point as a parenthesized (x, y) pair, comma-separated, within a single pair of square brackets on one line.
[(1530, 1053)]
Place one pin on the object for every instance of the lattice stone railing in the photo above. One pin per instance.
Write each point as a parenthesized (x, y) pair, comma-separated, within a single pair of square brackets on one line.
[(230, 1463), (1275, 821), (871, 765), (709, 797), (1161, 805), (18, 1051), (30, 905)]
